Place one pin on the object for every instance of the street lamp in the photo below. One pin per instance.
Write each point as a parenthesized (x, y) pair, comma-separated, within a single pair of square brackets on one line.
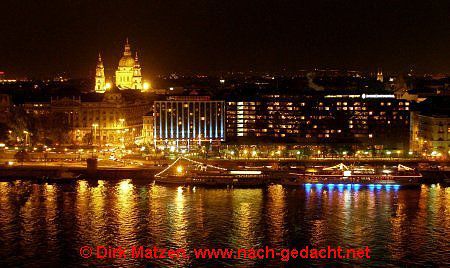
[(26, 137), (95, 125), (389, 153), (146, 86)]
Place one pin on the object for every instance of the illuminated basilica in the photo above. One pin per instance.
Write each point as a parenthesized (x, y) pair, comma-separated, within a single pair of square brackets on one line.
[(128, 74)]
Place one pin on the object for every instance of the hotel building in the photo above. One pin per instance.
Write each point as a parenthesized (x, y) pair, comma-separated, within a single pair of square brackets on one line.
[(182, 122), (375, 120)]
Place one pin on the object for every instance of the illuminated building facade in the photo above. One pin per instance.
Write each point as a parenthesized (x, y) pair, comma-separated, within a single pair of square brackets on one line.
[(432, 136), (188, 121), (128, 73), (147, 128), (127, 76), (370, 119), (102, 120)]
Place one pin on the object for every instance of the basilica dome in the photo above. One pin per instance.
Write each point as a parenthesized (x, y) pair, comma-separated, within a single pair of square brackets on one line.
[(126, 61)]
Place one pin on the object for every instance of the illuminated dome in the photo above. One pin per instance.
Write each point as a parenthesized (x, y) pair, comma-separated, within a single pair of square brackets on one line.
[(126, 61)]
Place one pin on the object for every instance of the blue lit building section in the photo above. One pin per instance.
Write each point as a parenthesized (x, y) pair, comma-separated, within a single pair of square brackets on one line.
[(183, 122)]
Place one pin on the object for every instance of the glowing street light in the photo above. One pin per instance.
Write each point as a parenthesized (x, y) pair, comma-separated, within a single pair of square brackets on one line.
[(27, 135), (146, 86), (179, 169), (95, 126)]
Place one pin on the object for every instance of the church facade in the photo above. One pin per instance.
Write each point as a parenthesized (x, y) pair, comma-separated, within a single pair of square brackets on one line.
[(127, 76)]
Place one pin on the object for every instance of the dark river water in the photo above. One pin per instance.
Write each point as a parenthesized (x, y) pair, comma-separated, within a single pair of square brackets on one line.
[(44, 225)]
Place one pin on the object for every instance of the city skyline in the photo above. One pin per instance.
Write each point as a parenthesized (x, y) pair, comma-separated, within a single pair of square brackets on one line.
[(234, 133), (66, 37)]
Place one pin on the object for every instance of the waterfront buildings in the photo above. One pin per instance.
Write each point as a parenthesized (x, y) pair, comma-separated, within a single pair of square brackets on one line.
[(374, 121), (147, 129), (431, 134), (430, 128), (113, 118), (182, 122)]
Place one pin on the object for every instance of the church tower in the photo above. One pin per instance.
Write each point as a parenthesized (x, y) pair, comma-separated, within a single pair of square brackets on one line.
[(137, 77), (100, 82), (380, 75), (125, 70)]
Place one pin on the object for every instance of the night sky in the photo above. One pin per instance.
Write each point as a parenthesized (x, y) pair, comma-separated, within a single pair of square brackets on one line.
[(42, 38)]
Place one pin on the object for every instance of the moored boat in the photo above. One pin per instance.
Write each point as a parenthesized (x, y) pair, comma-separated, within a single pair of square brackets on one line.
[(185, 171), (362, 175)]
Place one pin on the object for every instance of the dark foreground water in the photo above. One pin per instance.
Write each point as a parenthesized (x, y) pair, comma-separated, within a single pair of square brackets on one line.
[(45, 225)]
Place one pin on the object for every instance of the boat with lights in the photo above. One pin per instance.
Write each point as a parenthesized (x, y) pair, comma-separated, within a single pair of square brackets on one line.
[(361, 175), (185, 171)]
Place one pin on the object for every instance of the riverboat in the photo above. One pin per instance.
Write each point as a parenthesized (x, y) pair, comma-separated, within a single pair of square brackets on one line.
[(365, 175), (185, 171)]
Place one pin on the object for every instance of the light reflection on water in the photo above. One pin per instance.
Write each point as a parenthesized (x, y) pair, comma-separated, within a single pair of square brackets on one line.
[(45, 225)]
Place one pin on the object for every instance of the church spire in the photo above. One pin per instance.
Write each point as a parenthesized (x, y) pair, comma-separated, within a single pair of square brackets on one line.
[(100, 62), (137, 67), (100, 76), (136, 61), (137, 76), (127, 50), (380, 75)]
